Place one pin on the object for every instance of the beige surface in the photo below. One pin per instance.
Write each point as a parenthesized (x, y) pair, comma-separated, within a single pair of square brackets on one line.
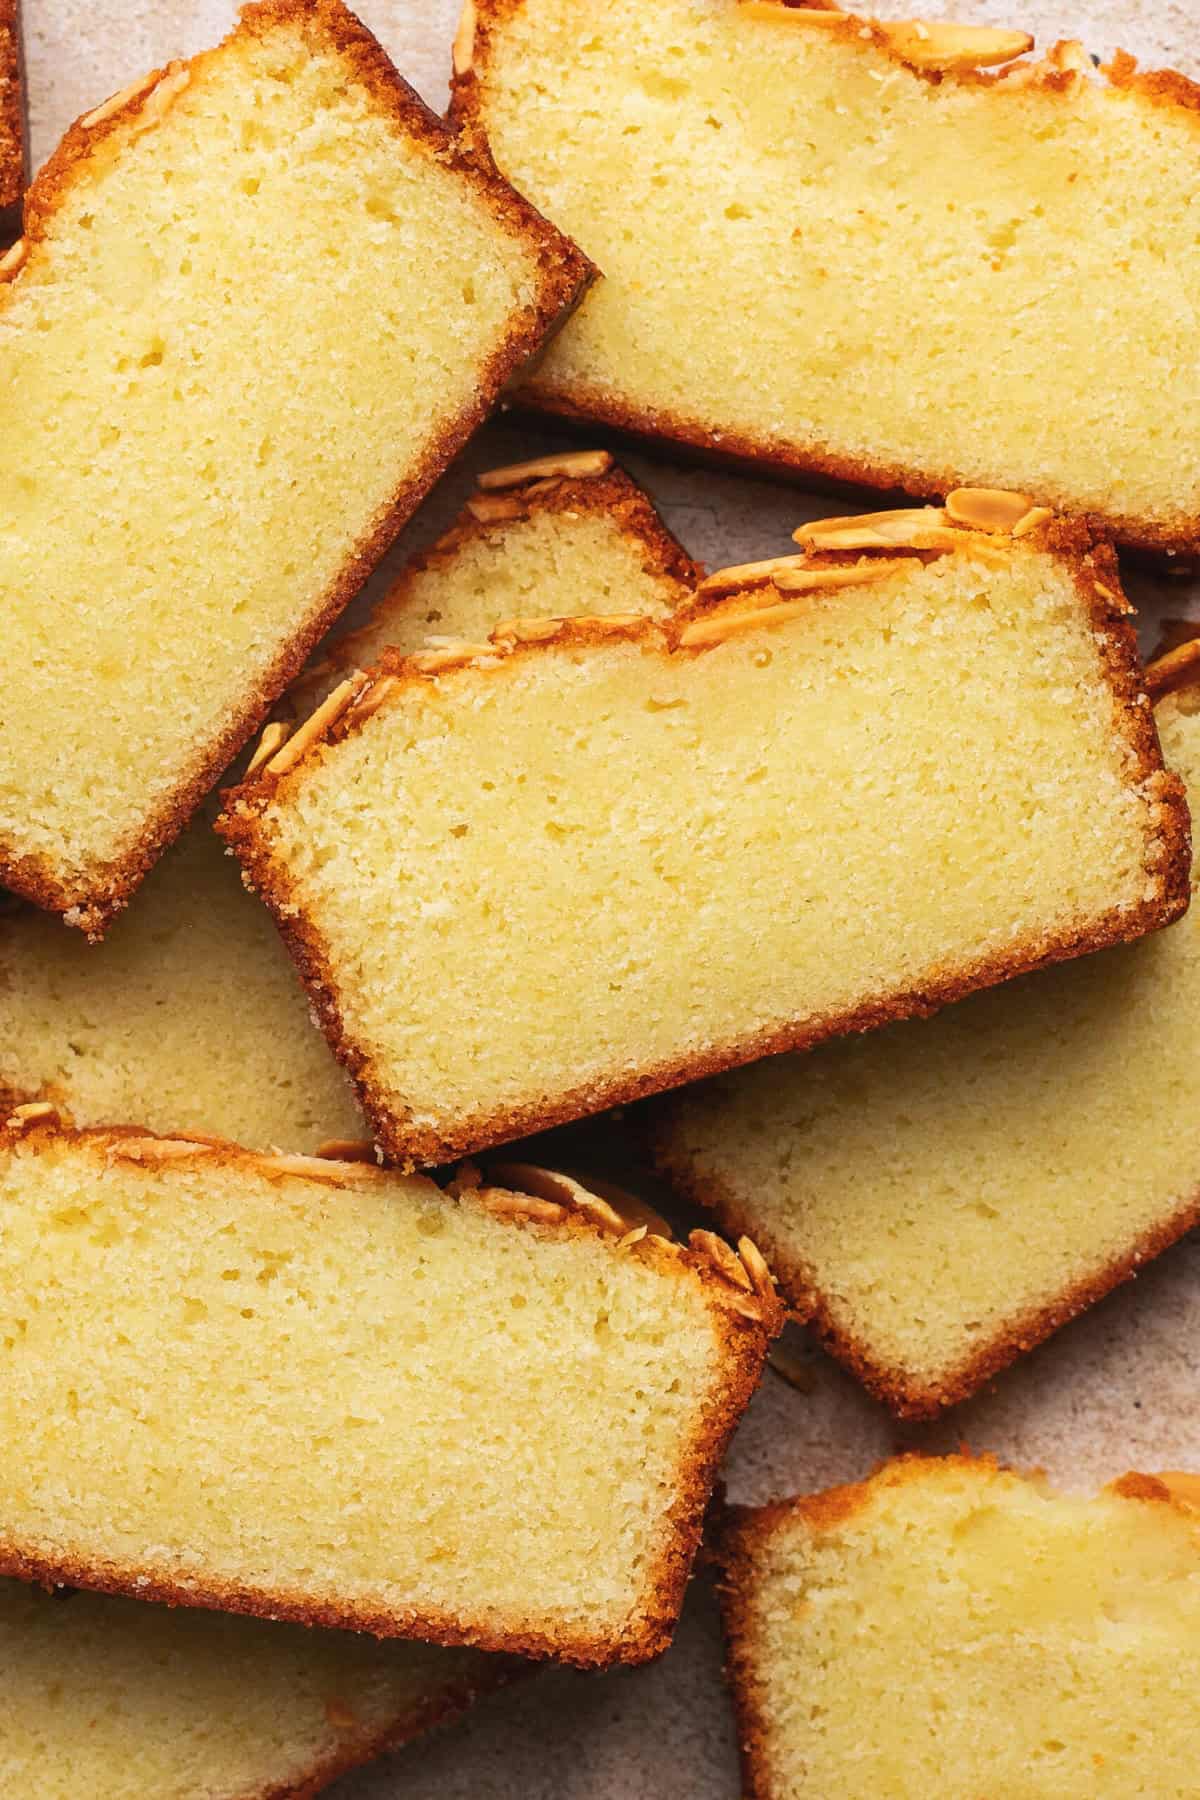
[(1113, 1391)]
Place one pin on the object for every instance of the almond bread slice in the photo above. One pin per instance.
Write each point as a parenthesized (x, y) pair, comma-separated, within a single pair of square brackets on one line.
[(940, 1198), (846, 248), (261, 301), (12, 122), (319, 1391), (593, 859), (189, 1018), (574, 535), (118, 1700), (950, 1627)]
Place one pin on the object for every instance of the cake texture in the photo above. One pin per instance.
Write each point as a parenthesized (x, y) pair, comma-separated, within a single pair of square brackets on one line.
[(1009, 1178), (345, 1397), (860, 785), (118, 1700), (190, 1018), (860, 250), (562, 534), (12, 121), (950, 1627), (188, 494)]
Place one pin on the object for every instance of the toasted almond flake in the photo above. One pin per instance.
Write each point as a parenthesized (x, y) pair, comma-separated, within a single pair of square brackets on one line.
[(1037, 515), (493, 509), (1178, 668), (346, 1150), (761, 1278), (632, 1237), (450, 653), (701, 634), (551, 483), (34, 1112), (157, 1150), (314, 1168), (274, 736), (504, 1205), (987, 509), (840, 575), (905, 528), (163, 95), (317, 724), (800, 15), (952, 47), (723, 1259), (13, 260), (528, 631), (572, 463), (463, 52), (133, 91), (751, 574), (372, 698)]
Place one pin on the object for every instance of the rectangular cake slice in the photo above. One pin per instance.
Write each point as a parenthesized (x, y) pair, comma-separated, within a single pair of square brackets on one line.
[(1008, 1176), (949, 1627), (12, 122), (189, 1017), (833, 246), (321, 1392), (563, 534), (599, 858), (260, 302), (113, 1699)]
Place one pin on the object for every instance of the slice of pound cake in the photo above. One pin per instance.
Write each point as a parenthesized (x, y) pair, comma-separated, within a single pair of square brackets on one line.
[(846, 247), (938, 1198), (951, 1628), (590, 860), (188, 1018), (117, 1700), (260, 302), (12, 121), (562, 534), (322, 1392)]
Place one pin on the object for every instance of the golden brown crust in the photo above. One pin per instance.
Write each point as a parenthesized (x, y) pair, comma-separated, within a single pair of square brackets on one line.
[(902, 1393), (1094, 568), (745, 1321), (611, 494), (13, 128), (565, 273), (815, 462), (744, 1532)]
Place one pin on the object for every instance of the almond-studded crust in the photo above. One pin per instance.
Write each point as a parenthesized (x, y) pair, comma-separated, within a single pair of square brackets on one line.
[(243, 826), (744, 1532), (610, 494), (904, 1394), (1057, 75), (13, 128), (564, 274), (746, 1314)]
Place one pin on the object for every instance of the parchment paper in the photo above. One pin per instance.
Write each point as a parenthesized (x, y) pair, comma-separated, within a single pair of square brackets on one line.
[(1116, 1390)]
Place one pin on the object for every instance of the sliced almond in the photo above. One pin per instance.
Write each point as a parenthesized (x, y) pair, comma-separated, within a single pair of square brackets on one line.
[(987, 509), (317, 724), (163, 95), (13, 260), (346, 1150), (443, 654), (274, 737), (798, 15), (34, 1112), (574, 464), (702, 633), (840, 575), (907, 528), (494, 509), (1037, 515), (122, 98), (755, 1264), (1178, 668), (463, 52), (528, 631), (503, 1205), (924, 45), (723, 1259), (752, 574)]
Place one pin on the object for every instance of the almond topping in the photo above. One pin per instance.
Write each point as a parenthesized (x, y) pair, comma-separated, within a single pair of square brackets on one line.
[(163, 95), (909, 528), (935, 46), (1174, 670), (157, 1150), (840, 575), (503, 1205), (274, 736), (1037, 515), (800, 15), (13, 260), (573, 463), (702, 633), (314, 1168), (987, 509), (372, 698), (761, 1279), (722, 1258), (133, 91), (34, 1112), (346, 1150), (316, 725), (463, 53), (528, 631), (752, 574), (493, 509), (449, 653)]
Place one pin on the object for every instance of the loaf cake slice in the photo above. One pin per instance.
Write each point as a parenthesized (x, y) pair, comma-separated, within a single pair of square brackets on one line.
[(189, 1018), (949, 1627), (260, 302), (12, 121), (835, 247), (562, 534), (326, 1393), (943, 1196), (117, 1700), (593, 859)]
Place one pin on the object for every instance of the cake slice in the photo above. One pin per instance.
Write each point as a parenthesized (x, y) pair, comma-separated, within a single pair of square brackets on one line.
[(940, 1197), (188, 1018), (322, 1392), (261, 301), (593, 859), (882, 252), (12, 121), (950, 1627), (562, 534), (118, 1700)]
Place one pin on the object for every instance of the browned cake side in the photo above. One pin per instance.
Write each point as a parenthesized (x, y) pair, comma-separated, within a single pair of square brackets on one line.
[(12, 121)]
